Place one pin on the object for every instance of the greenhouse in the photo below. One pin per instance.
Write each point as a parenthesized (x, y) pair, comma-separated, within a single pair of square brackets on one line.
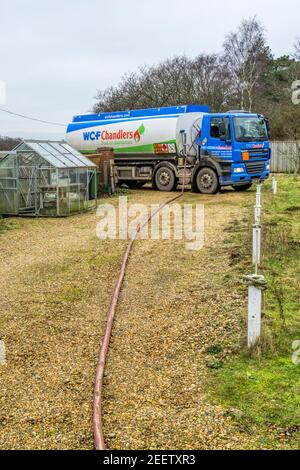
[(46, 178)]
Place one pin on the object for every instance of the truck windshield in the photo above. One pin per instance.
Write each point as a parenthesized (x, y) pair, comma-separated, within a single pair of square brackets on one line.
[(250, 129)]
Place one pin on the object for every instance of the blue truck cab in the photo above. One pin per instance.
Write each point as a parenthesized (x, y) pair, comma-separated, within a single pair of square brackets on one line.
[(236, 146)]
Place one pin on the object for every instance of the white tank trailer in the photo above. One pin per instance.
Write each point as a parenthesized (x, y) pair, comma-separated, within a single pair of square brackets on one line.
[(142, 131)]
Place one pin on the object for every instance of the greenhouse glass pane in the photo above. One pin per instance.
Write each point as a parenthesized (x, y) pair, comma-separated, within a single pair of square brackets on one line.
[(83, 160), (46, 155), (67, 160), (50, 149)]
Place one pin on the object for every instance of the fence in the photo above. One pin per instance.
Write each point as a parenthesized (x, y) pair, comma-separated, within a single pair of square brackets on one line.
[(285, 157)]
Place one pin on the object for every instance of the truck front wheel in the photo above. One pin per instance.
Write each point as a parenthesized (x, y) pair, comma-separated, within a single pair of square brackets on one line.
[(207, 181), (165, 179)]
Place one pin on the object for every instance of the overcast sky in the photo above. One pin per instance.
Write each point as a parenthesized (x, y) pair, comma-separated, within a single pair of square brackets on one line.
[(55, 55)]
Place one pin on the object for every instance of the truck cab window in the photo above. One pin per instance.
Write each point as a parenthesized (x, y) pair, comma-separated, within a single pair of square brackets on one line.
[(250, 129), (215, 127)]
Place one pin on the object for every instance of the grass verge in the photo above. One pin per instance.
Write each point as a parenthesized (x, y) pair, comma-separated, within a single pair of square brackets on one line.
[(261, 390)]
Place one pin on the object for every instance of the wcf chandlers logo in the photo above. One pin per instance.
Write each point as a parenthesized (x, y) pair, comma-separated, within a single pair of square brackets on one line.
[(119, 135)]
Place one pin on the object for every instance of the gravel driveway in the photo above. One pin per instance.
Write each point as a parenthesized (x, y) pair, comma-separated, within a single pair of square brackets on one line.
[(56, 283)]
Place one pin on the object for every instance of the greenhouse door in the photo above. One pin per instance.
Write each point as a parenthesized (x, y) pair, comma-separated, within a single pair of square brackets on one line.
[(27, 190), (8, 191)]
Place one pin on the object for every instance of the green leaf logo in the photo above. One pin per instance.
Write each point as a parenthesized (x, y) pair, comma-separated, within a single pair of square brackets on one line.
[(141, 129)]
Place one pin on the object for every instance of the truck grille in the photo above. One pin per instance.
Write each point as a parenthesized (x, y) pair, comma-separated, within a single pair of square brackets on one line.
[(255, 153), (254, 168)]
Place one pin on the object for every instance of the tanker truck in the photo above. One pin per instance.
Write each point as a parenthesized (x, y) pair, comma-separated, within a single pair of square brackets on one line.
[(180, 144)]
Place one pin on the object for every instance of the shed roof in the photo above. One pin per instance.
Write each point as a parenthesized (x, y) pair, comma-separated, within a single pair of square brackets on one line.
[(57, 153)]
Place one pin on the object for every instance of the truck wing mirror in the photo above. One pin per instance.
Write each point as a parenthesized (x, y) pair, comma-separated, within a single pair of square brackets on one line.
[(268, 127)]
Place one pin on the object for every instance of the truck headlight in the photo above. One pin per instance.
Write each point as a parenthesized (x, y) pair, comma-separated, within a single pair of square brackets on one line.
[(239, 169), (268, 166)]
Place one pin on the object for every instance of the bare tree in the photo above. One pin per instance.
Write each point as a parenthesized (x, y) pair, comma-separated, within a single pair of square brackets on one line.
[(245, 75), (174, 81), (8, 143), (211, 82), (297, 49), (246, 56)]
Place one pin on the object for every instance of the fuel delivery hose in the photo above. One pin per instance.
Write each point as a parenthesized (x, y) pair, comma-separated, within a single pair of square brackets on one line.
[(97, 401)]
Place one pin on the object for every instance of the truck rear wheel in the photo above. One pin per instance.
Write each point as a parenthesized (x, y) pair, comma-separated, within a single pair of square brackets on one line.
[(207, 181), (165, 179), (242, 187)]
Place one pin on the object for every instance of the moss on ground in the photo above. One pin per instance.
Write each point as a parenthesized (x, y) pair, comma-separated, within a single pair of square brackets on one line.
[(5, 225)]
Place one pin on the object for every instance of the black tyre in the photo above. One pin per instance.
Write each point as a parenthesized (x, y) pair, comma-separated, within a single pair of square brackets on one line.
[(242, 187), (207, 181), (165, 179)]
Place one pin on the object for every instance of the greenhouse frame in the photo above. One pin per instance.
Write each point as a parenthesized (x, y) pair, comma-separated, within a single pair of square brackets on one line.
[(46, 178)]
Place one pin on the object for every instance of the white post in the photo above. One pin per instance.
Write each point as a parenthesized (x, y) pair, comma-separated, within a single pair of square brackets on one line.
[(254, 315), (257, 214), (258, 195), (257, 207), (256, 245), (274, 185), (256, 284), (256, 230)]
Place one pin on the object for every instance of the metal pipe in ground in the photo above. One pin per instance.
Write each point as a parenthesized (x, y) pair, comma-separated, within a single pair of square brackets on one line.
[(274, 185)]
